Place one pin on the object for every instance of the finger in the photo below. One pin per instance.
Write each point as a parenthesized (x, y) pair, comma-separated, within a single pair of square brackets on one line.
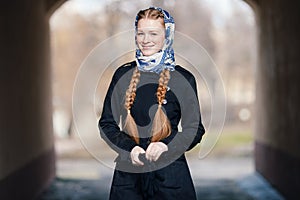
[(157, 156), (134, 154), (152, 155), (142, 151), (137, 160), (147, 155), (140, 163), (133, 162), (148, 151)]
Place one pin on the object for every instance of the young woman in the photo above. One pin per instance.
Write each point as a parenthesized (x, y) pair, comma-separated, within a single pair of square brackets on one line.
[(145, 102)]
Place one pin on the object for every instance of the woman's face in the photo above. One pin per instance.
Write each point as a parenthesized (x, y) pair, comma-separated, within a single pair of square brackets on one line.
[(150, 36)]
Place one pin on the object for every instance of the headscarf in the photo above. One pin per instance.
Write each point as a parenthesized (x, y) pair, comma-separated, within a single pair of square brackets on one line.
[(164, 59)]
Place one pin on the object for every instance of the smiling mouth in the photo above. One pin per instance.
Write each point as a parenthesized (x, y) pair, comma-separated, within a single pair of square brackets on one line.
[(147, 47)]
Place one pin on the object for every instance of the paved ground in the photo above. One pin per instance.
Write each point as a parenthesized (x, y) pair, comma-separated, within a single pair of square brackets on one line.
[(231, 178)]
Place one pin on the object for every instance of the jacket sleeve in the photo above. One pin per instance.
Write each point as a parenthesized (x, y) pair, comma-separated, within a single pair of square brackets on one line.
[(191, 123), (108, 124)]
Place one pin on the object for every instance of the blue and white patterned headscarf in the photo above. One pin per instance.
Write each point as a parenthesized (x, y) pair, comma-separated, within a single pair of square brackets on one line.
[(163, 59)]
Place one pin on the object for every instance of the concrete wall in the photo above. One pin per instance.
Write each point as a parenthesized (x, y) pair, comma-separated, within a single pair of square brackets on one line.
[(277, 152), (27, 161)]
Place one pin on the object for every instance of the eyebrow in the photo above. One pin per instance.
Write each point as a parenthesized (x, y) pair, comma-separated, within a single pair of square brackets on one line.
[(150, 29)]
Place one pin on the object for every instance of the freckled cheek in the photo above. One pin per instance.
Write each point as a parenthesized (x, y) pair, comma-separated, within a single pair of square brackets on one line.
[(139, 43), (139, 40), (160, 43), (161, 40)]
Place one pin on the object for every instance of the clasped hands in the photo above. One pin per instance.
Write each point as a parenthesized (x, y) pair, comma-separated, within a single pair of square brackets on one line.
[(153, 152)]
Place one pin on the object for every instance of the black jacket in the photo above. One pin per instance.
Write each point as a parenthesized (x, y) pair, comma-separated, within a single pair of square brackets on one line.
[(181, 105)]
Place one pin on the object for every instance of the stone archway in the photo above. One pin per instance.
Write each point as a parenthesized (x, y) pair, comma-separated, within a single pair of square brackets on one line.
[(26, 139), (277, 152)]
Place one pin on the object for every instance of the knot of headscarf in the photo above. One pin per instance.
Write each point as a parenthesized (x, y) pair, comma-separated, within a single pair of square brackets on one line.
[(164, 59)]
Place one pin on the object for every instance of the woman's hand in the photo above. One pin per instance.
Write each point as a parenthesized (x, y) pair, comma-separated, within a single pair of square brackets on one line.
[(134, 154), (154, 150)]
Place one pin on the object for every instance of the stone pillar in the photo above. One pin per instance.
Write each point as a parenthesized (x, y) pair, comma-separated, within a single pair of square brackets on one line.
[(27, 157), (277, 152)]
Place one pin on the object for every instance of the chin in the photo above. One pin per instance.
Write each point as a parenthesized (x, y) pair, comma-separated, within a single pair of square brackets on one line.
[(149, 53)]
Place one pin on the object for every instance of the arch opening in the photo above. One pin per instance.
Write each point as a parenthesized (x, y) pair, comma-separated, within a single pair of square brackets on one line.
[(224, 40)]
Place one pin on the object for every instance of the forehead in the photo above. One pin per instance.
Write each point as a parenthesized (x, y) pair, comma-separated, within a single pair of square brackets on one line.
[(150, 23)]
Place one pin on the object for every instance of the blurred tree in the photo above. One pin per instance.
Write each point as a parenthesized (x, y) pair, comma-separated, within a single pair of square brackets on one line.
[(72, 38), (236, 53), (232, 45), (193, 19), (113, 15)]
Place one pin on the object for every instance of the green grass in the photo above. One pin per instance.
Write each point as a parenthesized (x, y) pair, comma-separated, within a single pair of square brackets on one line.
[(232, 141), (229, 139)]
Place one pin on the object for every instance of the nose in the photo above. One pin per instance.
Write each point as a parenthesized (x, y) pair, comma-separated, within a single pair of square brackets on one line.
[(146, 38)]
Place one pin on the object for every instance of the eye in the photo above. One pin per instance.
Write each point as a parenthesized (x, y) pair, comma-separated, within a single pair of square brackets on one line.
[(140, 34), (154, 34)]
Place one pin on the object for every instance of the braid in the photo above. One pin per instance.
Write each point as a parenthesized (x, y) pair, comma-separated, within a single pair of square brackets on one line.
[(130, 124), (131, 91), (162, 86), (161, 127)]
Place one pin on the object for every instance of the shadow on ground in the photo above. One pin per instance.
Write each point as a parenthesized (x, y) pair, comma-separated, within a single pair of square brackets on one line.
[(251, 187), (98, 190)]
